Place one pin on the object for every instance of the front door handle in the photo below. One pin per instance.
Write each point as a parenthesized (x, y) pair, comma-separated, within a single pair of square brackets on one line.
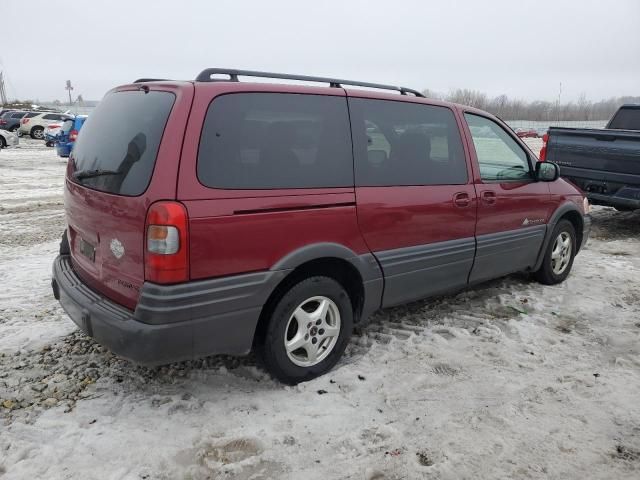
[(461, 199), (489, 197)]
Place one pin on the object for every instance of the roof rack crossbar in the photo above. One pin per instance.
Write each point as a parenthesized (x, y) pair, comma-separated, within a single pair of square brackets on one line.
[(205, 76)]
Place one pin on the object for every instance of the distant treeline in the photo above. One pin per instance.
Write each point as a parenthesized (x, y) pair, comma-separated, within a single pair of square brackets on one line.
[(538, 110)]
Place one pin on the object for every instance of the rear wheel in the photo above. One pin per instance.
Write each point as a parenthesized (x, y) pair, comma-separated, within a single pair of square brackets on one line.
[(37, 133), (14, 129), (308, 331), (3, 142), (558, 258)]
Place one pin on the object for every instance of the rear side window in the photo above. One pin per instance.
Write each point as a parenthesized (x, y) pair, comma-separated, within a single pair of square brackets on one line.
[(32, 114), (51, 116), (276, 140), (626, 119), (19, 115), (118, 144), (401, 143)]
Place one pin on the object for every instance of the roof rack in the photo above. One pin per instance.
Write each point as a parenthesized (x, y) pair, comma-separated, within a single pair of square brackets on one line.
[(143, 80), (205, 76)]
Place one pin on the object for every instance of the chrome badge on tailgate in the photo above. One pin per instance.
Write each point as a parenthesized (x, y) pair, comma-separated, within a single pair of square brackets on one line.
[(117, 248)]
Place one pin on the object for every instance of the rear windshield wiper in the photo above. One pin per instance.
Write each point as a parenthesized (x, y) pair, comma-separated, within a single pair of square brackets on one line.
[(94, 173)]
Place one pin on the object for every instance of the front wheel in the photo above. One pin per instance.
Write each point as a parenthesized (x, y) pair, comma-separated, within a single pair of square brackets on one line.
[(308, 331), (558, 258)]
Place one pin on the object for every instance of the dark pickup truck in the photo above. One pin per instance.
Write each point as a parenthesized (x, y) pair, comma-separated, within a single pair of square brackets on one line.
[(604, 163)]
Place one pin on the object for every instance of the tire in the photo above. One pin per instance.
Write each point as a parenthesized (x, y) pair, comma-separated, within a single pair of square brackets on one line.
[(317, 305), (14, 129), (37, 133), (3, 142), (559, 256)]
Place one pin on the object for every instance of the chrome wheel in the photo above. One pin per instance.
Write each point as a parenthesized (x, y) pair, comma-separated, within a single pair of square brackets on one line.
[(312, 331), (38, 133), (561, 253)]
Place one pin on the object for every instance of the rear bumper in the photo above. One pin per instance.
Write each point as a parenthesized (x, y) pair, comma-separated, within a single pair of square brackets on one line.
[(171, 323), (623, 199), (63, 149)]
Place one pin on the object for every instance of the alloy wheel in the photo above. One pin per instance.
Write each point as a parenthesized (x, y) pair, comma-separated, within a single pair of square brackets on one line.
[(312, 331), (561, 253)]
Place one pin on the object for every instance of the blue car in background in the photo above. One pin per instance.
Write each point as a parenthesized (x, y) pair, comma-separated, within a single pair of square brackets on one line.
[(68, 134)]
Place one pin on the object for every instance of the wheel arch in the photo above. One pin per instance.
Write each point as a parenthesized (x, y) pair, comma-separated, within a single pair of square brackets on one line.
[(360, 276), (566, 211)]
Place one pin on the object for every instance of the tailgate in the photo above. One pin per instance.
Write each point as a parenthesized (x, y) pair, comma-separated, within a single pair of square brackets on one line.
[(583, 152), (126, 158)]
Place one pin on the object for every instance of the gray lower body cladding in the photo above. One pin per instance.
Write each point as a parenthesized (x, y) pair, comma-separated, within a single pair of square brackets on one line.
[(424, 270), (188, 320), (503, 253), (171, 322), (421, 271)]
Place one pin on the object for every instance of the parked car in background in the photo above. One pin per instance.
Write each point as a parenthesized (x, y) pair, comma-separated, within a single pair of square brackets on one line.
[(35, 126), (51, 134), (8, 139), (68, 135), (604, 163), (6, 110), (526, 132), (541, 131), (174, 246), (11, 121)]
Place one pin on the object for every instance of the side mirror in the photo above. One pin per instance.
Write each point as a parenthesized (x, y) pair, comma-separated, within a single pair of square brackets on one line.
[(547, 171)]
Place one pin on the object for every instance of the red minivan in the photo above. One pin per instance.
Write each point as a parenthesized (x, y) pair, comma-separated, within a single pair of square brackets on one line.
[(217, 216)]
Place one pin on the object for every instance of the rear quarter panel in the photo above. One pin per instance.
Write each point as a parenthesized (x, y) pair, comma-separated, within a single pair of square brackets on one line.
[(238, 231)]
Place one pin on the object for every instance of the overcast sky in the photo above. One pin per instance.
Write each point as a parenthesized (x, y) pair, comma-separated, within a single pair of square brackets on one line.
[(521, 48)]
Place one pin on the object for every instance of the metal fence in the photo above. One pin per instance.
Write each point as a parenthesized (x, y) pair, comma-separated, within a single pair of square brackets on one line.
[(539, 125)]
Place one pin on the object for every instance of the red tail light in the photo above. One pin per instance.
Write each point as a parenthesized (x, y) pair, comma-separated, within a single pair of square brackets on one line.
[(543, 151), (25, 121), (3, 122), (73, 135), (166, 252)]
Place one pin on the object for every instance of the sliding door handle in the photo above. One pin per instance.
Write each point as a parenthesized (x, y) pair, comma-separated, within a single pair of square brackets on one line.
[(489, 197)]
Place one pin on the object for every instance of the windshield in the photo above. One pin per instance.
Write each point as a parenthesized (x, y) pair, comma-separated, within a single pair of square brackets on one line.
[(118, 144)]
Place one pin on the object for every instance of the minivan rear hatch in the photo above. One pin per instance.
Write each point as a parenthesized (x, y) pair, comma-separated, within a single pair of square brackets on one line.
[(125, 158)]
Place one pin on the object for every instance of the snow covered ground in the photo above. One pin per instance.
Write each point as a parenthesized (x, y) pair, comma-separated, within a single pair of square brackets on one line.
[(508, 380)]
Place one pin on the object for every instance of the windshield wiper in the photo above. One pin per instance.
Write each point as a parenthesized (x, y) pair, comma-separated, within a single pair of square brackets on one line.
[(94, 173)]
